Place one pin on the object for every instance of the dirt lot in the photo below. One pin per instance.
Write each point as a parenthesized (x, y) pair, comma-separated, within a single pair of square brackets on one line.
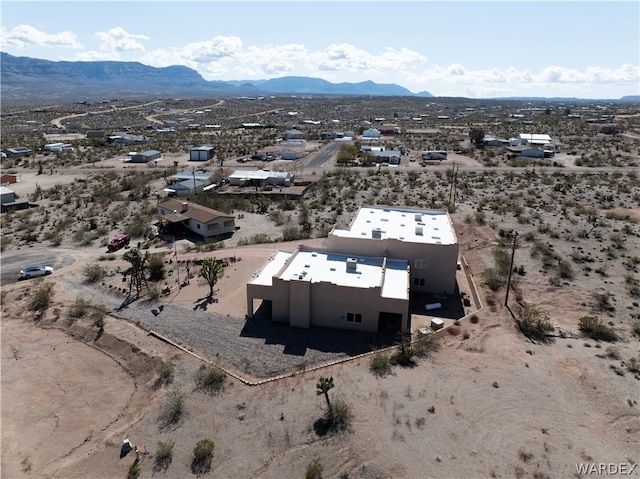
[(489, 403)]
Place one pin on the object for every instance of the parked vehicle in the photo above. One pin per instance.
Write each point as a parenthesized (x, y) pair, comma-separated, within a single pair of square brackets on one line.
[(118, 242), (34, 271)]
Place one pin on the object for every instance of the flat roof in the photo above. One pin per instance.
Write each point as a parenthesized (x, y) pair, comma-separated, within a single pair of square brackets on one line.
[(403, 224), (339, 269)]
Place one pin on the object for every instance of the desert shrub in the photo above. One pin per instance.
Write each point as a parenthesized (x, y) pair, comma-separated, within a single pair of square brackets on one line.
[(79, 308), (134, 470), (603, 301), (380, 365), (314, 470), (535, 323), (209, 379), (339, 416), (404, 355), (3, 296), (41, 297), (173, 409), (164, 455), (613, 352), (156, 268), (635, 328), (202, 455), (93, 273), (494, 279), (165, 372), (633, 365), (98, 312), (596, 329)]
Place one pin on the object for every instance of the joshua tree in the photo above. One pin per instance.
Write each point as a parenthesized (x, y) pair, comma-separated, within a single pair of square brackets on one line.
[(211, 271), (323, 386)]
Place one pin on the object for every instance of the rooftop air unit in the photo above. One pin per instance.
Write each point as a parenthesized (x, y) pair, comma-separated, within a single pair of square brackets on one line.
[(376, 233), (185, 207)]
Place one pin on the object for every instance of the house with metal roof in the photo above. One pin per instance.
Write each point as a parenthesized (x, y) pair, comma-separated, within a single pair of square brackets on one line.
[(145, 156), (175, 214), (17, 152), (261, 178)]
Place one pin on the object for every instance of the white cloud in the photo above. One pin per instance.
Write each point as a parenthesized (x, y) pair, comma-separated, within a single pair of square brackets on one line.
[(117, 39), (24, 36)]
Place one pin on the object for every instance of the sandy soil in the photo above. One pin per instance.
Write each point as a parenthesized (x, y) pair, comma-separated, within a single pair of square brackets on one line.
[(489, 403)]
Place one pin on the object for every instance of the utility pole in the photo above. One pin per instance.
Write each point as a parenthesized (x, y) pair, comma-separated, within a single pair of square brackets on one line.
[(513, 253)]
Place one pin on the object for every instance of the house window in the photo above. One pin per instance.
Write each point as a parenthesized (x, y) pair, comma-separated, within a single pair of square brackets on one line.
[(418, 281), (354, 318), (228, 224), (198, 225), (421, 264)]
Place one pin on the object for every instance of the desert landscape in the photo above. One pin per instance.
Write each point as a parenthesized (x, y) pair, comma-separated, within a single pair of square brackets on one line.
[(86, 365)]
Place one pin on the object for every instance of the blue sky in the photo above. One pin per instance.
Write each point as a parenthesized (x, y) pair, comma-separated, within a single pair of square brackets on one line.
[(475, 49)]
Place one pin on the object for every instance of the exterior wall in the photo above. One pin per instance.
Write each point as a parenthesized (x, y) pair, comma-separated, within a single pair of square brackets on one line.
[(303, 304), (439, 275), (8, 179), (213, 228), (333, 313), (8, 197)]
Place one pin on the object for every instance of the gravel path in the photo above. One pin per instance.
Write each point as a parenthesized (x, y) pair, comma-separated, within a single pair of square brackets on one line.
[(256, 348)]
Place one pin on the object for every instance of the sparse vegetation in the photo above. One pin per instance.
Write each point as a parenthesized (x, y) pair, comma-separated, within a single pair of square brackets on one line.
[(94, 273), (202, 456), (594, 328), (164, 455), (314, 470), (42, 296), (173, 409), (209, 379), (535, 323)]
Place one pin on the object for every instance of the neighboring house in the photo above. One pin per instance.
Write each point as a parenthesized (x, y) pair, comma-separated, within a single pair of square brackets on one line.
[(58, 147), (371, 133), (367, 294), (145, 156), (201, 153), (17, 152), (185, 188), (364, 277), (289, 155), (387, 129), (205, 177), (127, 139), (387, 156), (9, 202), (292, 134), (535, 141), (174, 213), (525, 151), (261, 178)]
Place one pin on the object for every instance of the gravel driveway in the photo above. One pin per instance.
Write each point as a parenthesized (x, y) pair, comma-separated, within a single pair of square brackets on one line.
[(256, 348)]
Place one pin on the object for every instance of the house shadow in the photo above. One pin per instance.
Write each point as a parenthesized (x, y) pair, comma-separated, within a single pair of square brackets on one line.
[(297, 342)]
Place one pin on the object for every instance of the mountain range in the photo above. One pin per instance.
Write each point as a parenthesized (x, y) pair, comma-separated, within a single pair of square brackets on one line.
[(24, 78), (42, 81)]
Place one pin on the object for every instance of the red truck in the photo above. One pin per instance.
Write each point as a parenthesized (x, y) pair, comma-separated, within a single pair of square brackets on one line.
[(118, 242)]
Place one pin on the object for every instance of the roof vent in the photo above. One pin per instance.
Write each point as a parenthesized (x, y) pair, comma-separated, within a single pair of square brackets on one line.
[(351, 264), (376, 233), (418, 217), (419, 230)]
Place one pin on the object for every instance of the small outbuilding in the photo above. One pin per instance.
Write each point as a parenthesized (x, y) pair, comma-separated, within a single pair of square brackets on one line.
[(145, 156), (201, 153)]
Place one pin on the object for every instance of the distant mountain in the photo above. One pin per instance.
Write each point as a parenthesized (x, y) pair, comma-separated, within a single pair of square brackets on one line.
[(23, 78)]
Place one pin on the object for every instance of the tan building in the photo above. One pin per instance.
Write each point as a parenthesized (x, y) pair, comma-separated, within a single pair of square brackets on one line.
[(362, 281), (174, 214), (425, 238), (319, 288)]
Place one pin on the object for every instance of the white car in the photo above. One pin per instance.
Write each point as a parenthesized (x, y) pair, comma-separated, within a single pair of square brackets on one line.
[(33, 271)]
